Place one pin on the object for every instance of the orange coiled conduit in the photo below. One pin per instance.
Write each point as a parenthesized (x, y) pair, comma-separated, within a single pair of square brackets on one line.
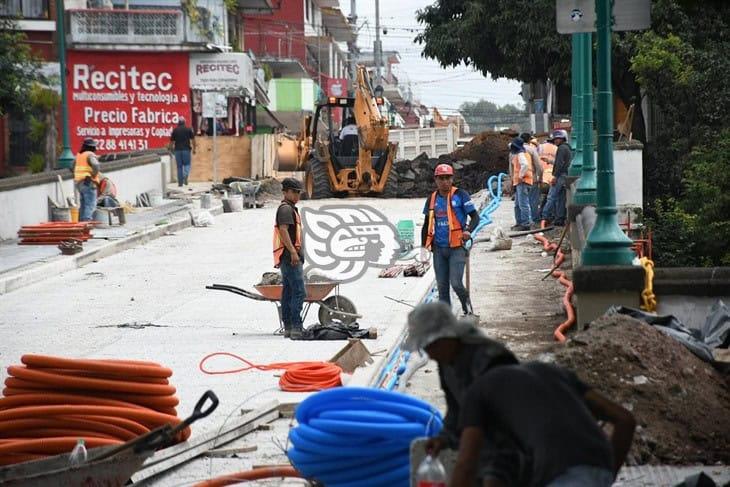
[(298, 376), (559, 332), (50, 402)]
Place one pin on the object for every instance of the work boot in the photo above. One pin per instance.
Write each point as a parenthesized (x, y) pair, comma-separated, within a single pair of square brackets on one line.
[(287, 333), (186, 181), (295, 334)]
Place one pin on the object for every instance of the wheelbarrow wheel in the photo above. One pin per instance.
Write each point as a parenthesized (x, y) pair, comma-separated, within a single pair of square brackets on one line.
[(337, 303)]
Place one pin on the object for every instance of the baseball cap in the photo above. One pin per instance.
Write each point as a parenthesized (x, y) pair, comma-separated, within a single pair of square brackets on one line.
[(291, 183)]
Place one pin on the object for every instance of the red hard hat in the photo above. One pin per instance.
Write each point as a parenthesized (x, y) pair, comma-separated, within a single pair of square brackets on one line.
[(443, 170)]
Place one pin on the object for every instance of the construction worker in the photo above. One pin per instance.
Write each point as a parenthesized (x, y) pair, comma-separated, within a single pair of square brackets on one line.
[(106, 193), (289, 258), (182, 142), (86, 178), (532, 424), (554, 211), (445, 232), (547, 158), (531, 150), (522, 179)]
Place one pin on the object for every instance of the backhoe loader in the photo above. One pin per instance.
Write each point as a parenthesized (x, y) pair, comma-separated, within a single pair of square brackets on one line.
[(356, 165)]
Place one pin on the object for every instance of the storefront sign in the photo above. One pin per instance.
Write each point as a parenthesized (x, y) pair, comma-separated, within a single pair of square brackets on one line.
[(230, 72), (336, 87), (126, 101)]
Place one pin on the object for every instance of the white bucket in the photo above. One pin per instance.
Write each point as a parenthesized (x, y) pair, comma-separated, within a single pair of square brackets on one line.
[(206, 201), (236, 202)]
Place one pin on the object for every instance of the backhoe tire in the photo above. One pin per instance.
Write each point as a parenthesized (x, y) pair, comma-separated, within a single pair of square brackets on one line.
[(391, 185), (318, 181)]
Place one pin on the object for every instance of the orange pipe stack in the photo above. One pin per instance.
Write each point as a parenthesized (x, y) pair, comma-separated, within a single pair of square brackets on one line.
[(50, 402)]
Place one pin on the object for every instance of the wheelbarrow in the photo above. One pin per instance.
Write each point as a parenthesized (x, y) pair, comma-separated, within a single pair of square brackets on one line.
[(332, 309), (110, 466)]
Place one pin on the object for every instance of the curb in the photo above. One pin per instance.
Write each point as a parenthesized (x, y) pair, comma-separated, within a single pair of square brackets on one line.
[(19, 279), (365, 376)]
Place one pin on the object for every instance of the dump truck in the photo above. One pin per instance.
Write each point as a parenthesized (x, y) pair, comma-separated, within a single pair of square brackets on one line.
[(357, 165)]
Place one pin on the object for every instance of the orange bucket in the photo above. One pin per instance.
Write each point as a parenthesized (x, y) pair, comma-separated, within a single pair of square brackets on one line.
[(74, 215)]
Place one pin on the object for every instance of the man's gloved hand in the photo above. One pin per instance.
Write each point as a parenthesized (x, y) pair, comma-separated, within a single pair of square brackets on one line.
[(435, 445)]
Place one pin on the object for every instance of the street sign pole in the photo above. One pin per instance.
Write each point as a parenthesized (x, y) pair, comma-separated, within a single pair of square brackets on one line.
[(585, 190), (606, 243), (66, 159), (215, 152), (577, 98)]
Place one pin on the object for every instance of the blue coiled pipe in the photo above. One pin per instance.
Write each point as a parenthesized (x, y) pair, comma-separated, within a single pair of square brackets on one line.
[(358, 437)]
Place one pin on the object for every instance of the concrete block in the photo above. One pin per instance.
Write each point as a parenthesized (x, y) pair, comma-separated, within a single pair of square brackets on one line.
[(597, 288)]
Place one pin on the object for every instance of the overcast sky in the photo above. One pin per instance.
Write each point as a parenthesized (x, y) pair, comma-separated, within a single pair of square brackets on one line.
[(444, 88)]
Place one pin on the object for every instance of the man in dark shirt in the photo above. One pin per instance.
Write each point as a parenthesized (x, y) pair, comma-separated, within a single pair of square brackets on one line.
[(554, 211), (182, 141), (289, 258)]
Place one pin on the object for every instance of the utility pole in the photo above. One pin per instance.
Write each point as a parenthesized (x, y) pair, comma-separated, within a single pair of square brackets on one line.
[(353, 45), (378, 51), (66, 159)]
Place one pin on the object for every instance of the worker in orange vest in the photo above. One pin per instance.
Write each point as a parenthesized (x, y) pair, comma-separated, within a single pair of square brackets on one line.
[(547, 151), (522, 179), (534, 159), (86, 178), (289, 258), (444, 233)]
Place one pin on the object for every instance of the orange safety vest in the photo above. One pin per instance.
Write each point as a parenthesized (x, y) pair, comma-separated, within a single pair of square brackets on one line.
[(279, 244), (547, 158), (82, 168), (527, 179), (455, 230)]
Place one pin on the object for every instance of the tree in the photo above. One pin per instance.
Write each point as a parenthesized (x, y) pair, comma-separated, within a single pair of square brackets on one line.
[(484, 115), (18, 69)]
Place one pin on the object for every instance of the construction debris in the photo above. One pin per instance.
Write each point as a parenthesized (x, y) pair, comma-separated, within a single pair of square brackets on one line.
[(486, 154), (682, 404), (70, 246), (274, 279)]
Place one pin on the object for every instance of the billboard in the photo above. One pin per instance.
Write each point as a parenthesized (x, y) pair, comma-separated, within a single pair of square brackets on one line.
[(126, 101)]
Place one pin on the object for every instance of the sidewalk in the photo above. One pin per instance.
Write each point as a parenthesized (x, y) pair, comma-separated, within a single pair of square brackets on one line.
[(21, 265)]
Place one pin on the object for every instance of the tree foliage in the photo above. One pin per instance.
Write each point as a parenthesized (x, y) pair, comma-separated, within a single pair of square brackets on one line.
[(483, 115), (18, 69)]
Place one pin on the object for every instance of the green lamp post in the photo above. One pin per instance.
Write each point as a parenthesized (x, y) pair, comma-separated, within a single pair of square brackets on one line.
[(66, 159), (576, 108), (606, 244), (585, 190)]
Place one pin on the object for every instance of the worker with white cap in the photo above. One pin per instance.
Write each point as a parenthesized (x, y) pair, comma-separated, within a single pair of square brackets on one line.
[(531, 424)]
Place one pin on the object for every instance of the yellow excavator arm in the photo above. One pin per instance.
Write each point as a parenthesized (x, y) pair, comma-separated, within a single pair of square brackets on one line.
[(372, 127)]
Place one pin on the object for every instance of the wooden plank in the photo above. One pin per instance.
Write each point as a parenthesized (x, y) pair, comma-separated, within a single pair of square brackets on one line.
[(226, 452), (168, 458)]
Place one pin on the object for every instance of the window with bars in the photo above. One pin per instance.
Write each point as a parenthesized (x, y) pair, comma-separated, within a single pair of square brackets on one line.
[(25, 9)]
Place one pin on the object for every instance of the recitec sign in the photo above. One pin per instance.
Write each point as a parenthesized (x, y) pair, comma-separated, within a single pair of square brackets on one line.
[(126, 101), (227, 72)]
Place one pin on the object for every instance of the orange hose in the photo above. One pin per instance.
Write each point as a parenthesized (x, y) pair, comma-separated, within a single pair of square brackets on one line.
[(118, 367), (255, 474), (559, 332), (51, 402), (298, 376)]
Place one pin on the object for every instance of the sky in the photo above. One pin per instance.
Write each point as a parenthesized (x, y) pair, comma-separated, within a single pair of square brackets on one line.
[(446, 89)]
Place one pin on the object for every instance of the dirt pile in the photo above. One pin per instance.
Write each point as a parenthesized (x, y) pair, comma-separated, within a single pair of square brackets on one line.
[(274, 279), (682, 404), (486, 154)]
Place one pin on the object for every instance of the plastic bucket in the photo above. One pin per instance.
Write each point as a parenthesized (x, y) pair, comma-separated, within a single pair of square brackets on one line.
[(206, 201), (61, 214), (236, 202), (74, 215)]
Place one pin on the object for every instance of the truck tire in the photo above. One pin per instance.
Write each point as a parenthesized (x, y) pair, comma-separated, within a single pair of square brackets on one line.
[(318, 181), (391, 185)]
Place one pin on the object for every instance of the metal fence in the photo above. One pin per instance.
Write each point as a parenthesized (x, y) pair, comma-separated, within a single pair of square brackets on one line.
[(127, 26), (25, 9)]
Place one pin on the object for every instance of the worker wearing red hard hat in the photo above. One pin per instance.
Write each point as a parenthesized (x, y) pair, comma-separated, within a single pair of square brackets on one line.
[(444, 233)]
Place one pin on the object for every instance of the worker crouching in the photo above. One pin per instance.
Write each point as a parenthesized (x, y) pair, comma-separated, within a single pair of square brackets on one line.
[(531, 424), (289, 258)]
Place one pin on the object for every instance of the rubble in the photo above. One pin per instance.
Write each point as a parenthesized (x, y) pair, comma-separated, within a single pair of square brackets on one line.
[(486, 154), (274, 279), (681, 404)]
